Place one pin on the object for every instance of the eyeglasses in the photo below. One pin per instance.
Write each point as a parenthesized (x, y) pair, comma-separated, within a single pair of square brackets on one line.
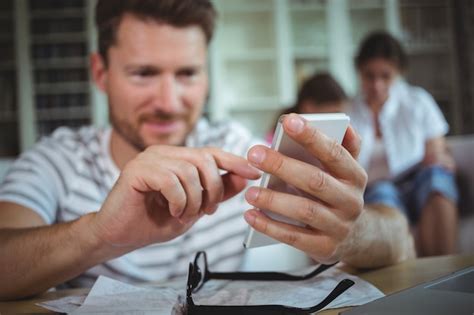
[(197, 278)]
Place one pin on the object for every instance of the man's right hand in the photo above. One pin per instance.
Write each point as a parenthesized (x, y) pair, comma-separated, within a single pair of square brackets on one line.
[(163, 191)]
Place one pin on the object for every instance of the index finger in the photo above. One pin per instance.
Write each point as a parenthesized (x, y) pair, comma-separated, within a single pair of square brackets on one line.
[(334, 157), (234, 164), (351, 142)]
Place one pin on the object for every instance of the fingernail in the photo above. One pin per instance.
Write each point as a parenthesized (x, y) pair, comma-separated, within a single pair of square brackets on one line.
[(252, 194), (249, 217), (210, 210), (295, 124), (253, 170), (214, 209), (257, 155)]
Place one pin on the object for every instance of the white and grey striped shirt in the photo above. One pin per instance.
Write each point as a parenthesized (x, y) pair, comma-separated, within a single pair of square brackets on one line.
[(70, 173)]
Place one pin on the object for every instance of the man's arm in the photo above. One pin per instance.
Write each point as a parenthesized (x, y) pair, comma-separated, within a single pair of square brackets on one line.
[(379, 238), (35, 257), (336, 226), (159, 195)]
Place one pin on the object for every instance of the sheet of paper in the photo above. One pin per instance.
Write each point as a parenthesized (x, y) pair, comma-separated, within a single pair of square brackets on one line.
[(292, 293), (66, 304), (111, 296)]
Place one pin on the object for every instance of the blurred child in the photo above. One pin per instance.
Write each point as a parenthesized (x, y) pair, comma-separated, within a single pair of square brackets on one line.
[(320, 93)]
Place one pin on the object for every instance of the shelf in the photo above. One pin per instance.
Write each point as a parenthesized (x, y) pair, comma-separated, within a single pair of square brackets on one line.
[(427, 48), (305, 6), (62, 87), (250, 31), (310, 52), (60, 51), (255, 104), (364, 22), (6, 38), (254, 55), (244, 6), (7, 65), (8, 116), (6, 15), (58, 13), (252, 79), (309, 28), (68, 113), (59, 38), (423, 4), (366, 4), (51, 63)]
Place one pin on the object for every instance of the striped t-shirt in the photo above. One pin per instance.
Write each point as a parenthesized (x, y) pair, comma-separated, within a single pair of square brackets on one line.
[(70, 173)]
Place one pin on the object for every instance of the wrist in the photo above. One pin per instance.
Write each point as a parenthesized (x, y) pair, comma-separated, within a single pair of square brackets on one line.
[(91, 240)]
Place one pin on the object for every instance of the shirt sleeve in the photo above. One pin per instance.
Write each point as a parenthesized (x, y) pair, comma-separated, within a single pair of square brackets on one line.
[(34, 181), (434, 123)]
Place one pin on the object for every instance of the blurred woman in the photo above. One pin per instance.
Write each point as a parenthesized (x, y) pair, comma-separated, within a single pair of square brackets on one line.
[(403, 145)]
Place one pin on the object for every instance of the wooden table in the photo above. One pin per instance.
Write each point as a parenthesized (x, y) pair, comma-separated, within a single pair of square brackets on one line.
[(388, 280), (410, 273)]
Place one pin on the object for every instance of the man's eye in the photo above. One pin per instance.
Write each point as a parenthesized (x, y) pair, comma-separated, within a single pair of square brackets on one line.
[(144, 73), (187, 73)]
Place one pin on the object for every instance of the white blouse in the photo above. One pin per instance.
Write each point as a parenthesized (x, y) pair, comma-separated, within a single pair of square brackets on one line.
[(407, 120)]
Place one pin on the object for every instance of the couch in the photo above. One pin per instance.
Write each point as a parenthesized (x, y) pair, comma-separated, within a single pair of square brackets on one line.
[(462, 148)]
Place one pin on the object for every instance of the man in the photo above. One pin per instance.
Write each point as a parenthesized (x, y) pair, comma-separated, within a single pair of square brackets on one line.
[(89, 202)]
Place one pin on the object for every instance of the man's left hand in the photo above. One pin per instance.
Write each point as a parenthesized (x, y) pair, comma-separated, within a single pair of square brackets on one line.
[(336, 191)]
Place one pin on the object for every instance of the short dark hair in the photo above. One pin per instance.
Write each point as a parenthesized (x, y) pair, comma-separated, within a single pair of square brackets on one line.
[(381, 44), (321, 88), (179, 13)]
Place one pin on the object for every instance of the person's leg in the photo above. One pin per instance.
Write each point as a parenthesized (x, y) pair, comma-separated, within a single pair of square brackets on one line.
[(384, 193), (436, 196)]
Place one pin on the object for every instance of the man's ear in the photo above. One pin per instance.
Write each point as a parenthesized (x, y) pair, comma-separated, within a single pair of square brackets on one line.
[(98, 71)]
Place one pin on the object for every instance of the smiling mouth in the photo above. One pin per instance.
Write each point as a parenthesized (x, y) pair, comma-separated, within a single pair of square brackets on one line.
[(163, 127)]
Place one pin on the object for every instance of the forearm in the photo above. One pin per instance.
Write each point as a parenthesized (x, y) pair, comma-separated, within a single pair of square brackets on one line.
[(33, 260), (379, 238)]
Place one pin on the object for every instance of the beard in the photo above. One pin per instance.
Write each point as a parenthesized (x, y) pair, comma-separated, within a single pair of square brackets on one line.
[(130, 132)]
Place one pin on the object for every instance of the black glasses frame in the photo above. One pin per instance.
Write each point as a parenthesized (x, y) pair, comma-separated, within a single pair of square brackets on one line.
[(196, 279)]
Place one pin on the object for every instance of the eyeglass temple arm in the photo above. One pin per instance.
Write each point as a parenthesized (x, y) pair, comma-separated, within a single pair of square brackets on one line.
[(267, 276), (267, 309)]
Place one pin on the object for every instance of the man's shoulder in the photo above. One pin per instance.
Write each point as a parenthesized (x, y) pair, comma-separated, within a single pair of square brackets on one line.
[(84, 133), (73, 138), (72, 144)]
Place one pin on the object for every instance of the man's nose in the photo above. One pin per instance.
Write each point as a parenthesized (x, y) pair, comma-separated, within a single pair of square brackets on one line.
[(168, 95)]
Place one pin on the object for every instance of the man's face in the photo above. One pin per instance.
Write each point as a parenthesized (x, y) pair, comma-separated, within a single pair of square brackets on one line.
[(156, 81), (377, 75)]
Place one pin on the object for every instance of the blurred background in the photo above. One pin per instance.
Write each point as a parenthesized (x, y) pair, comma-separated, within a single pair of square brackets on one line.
[(261, 52)]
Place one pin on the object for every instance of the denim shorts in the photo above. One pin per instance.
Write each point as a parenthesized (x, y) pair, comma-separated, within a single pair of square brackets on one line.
[(411, 193)]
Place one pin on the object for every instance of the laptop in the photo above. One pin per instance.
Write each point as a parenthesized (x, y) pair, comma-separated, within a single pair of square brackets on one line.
[(451, 294)]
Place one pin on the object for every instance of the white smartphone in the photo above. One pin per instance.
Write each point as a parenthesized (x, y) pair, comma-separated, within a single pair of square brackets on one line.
[(334, 125)]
